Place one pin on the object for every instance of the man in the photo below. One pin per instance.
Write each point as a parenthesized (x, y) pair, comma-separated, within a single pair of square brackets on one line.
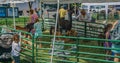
[(70, 12), (62, 13)]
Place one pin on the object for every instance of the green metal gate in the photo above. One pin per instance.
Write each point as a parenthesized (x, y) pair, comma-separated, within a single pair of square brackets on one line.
[(77, 50)]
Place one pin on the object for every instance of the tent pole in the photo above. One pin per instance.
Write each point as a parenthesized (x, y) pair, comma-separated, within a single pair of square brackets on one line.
[(88, 8), (14, 15), (55, 32), (40, 7), (68, 6), (106, 11)]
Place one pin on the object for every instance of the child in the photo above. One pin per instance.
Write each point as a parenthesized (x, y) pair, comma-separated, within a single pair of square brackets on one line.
[(37, 31), (16, 48), (107, 36)]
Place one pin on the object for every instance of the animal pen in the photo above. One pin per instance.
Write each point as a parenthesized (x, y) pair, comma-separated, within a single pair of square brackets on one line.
[(79, 49)]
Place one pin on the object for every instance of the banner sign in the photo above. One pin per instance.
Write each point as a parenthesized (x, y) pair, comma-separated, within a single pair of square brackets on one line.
[(3, 12), (15, 1), (5, 47), (10, 12)]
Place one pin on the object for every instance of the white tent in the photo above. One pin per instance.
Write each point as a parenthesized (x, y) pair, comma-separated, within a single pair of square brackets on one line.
[(88, 2), (61, 1), (77, 1), (13, 2)]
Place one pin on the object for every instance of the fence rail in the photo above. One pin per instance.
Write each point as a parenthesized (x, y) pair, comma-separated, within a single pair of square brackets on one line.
[(84, 29), (77, 50)]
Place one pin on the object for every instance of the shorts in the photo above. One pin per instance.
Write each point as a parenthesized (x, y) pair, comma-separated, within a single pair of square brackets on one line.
[(16, 59), (116, 46), (109, 44), (37, 35)]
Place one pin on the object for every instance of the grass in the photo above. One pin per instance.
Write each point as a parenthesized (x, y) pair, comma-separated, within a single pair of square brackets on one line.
[(9, 21)]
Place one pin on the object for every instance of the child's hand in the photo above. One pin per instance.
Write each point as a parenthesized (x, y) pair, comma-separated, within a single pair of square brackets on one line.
[(51, 46), (33, 31)]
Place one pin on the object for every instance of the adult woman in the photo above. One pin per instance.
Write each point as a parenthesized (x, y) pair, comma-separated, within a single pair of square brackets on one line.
[(32, 18)]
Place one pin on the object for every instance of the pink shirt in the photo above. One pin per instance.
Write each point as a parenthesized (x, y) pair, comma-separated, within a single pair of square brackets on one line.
[(33, 17)]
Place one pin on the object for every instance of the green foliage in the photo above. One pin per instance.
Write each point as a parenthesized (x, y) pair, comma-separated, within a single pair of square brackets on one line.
[(9, 21)]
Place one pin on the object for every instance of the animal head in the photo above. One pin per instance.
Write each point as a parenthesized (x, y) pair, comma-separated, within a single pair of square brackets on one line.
[(71, 33)]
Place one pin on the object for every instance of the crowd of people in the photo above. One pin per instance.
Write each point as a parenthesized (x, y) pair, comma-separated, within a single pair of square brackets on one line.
[(81, 14)]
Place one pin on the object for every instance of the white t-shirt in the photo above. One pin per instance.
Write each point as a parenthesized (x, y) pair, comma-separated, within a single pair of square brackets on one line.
[(15, 49)]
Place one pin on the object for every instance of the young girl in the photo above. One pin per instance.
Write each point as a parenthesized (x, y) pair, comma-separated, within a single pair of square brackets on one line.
[(16, 48), (32, 18), (37, 31), (107, 36)]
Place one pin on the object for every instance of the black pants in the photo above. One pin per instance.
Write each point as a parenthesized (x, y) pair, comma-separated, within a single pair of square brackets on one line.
[(62, 19), (70, 20), (29, 26)]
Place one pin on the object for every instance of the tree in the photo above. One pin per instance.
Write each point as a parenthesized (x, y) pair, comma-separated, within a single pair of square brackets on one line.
[(30, 5)]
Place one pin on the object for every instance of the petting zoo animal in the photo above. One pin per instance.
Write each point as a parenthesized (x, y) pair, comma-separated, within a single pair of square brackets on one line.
[(72, 33), (21, 28), (64, 25)]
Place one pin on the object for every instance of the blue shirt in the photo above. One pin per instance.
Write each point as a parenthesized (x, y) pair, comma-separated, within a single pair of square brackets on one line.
[(38, 30)]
